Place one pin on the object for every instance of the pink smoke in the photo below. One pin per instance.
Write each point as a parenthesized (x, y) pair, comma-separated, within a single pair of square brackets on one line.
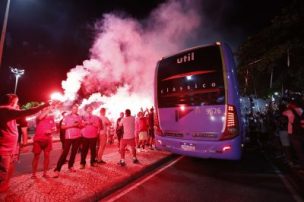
[(120, 71)]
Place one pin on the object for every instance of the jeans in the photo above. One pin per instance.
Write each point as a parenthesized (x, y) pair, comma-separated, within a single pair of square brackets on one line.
[(67, 144), (86, 144), (297, 142)]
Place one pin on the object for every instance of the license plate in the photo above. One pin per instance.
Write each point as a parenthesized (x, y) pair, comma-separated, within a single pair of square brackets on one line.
[(188, 147)]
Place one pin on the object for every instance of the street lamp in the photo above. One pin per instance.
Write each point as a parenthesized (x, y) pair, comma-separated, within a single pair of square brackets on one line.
[(4, 30), (18, 73)]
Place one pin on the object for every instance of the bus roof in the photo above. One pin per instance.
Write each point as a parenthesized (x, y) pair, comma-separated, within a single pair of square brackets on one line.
[(189, 49)]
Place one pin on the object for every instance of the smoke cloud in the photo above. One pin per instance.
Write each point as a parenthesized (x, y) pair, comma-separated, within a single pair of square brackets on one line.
[(120, 71)]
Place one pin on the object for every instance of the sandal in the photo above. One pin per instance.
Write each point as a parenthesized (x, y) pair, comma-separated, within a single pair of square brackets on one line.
[(46, 176), (56, 174), (33, 177)]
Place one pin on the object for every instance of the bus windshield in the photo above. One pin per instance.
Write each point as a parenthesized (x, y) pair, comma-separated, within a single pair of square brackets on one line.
[(192, 78)]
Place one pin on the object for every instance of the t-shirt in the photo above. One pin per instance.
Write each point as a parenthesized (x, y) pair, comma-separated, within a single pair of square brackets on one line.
[(105, 122), (44, 128), (290, 116), (90, 130), (22, 123), (128, 124), (8, 135), (69, 120), (8, 127), (142, 124)]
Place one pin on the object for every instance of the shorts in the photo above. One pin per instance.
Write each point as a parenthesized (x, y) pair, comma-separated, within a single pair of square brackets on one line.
[(284, 138), (125, 142), (39, 145), (151, 133), (143, 135)]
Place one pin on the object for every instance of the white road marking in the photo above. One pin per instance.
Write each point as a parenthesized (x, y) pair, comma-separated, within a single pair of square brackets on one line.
[(287, 184), (135, 185)]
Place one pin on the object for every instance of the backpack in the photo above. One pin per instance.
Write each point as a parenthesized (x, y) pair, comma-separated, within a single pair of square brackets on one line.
[(298, 123)]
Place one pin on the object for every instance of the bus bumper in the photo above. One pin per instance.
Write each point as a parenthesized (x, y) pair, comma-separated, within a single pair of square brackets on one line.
[(227, 149)]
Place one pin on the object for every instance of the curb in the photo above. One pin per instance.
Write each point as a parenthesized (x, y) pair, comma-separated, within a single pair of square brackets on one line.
[(100, 195), (292, 176)]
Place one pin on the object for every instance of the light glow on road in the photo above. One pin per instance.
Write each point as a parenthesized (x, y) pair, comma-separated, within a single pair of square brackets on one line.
[(140, 182)]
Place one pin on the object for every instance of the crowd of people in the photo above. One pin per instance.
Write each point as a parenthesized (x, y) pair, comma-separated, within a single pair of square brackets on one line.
[(79, 133), (137, 132), (281, 131)]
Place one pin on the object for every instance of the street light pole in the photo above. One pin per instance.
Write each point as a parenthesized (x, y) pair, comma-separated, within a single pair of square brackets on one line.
[(18, 73), (4, 30)]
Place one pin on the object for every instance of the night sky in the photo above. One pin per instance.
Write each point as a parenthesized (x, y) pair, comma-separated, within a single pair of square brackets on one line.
[(49, 37)]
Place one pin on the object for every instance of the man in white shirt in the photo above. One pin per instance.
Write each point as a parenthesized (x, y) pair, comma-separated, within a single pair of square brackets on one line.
[(106, 123), (128, 124)]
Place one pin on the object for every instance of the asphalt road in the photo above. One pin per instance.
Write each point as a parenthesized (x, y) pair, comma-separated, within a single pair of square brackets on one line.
[(193, 179), (24, 165)]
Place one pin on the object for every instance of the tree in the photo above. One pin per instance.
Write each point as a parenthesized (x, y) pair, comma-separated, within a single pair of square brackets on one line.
[(275, 51), (30, 105)]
